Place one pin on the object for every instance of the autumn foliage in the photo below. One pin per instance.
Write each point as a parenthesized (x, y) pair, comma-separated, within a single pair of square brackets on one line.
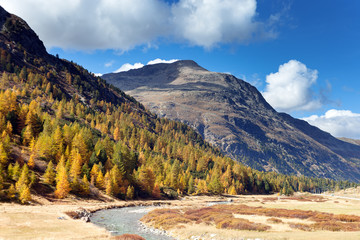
[(92, 135)]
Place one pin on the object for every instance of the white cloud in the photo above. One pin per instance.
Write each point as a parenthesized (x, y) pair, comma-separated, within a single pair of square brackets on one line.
[(125, 24), (206, 23), (289, 89), (109, 64), (93, 24), (340, 123), (127, 66), (158, 60), (98, 74)]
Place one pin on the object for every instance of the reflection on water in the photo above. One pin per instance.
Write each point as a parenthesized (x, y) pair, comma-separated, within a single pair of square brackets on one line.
[(126, 220)]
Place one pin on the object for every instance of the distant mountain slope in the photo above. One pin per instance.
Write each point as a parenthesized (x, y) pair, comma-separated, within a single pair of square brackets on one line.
[(234, 116), (352, 141)]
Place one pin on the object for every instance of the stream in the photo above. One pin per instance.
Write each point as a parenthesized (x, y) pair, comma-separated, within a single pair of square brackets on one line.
[(119, 221)]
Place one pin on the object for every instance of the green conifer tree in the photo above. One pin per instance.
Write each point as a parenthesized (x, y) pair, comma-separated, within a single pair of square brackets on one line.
[(49, 175)]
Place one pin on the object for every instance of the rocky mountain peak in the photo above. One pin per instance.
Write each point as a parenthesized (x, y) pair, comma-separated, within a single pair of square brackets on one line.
[(233, 115), (16, 34), (188, 63)]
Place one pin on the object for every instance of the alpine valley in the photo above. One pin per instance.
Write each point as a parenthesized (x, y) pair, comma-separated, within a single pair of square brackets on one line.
[(67, 132)]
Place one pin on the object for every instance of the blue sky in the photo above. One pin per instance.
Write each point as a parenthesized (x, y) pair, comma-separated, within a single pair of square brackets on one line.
[(302, 55)]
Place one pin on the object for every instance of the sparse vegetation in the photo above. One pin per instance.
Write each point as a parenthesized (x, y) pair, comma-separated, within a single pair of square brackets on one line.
[(222, 216), (274, 220), (128, 237)]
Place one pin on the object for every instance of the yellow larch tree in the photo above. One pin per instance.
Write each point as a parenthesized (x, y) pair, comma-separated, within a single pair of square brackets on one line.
[(31, 161), (62, 185)]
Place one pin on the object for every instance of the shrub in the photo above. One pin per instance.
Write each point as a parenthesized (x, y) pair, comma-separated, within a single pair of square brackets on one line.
[(241, 224), (300, 226), (274, 220), (128, 237), (347, 218)]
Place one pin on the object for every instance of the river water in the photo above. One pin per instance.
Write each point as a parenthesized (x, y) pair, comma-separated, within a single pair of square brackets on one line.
[(119, 221)]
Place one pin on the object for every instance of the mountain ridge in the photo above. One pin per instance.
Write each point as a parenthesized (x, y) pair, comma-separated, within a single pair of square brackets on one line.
[(234, 116)]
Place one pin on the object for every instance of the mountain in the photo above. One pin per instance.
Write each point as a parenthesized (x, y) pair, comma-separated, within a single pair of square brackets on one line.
[(233, 115), (350, 140), (65, 131)]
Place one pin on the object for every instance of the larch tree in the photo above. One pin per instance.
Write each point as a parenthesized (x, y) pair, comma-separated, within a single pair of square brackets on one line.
[(100, 183), (117, 134), (24, 195), (31, 161), (75, 168), (191, 186), (49, 175), (4, 156), (85, 186), (11, 194), (108, 185), (23, 179), (130, 192), (62, 185)]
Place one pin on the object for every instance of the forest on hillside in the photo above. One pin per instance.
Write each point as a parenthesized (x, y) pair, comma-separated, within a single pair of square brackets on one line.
[(64, 131)]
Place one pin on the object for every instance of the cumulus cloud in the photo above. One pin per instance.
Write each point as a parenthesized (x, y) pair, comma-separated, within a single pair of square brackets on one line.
[(127, 66), (93, 24), (340, 123), (158, 60), (125, 24), (290, 88), (206, 23)]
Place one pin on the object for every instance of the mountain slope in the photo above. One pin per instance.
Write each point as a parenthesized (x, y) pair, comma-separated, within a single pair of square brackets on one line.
[(65, 131), (233, 115)]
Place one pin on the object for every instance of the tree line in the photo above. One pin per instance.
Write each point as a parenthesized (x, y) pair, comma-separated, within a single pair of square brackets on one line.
[(82, 143)]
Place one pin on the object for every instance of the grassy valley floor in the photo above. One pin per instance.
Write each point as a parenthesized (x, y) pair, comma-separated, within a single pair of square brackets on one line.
[(204, 225), (48, 220)]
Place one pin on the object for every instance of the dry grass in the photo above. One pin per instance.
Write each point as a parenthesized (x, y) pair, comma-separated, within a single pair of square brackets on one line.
[(274, 220), (342, 207), (221, 218), (165, 218), (224, 217), (241, 224), (290, 228), (306, 198), (128, 237), (300, 198)]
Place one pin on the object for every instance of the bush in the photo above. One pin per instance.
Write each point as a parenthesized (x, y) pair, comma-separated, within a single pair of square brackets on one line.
[(128, 237), (242, 224), (274, 220)]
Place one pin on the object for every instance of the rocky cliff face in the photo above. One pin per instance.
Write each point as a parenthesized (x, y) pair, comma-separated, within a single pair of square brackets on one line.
[(233, 115), (15, 33)]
